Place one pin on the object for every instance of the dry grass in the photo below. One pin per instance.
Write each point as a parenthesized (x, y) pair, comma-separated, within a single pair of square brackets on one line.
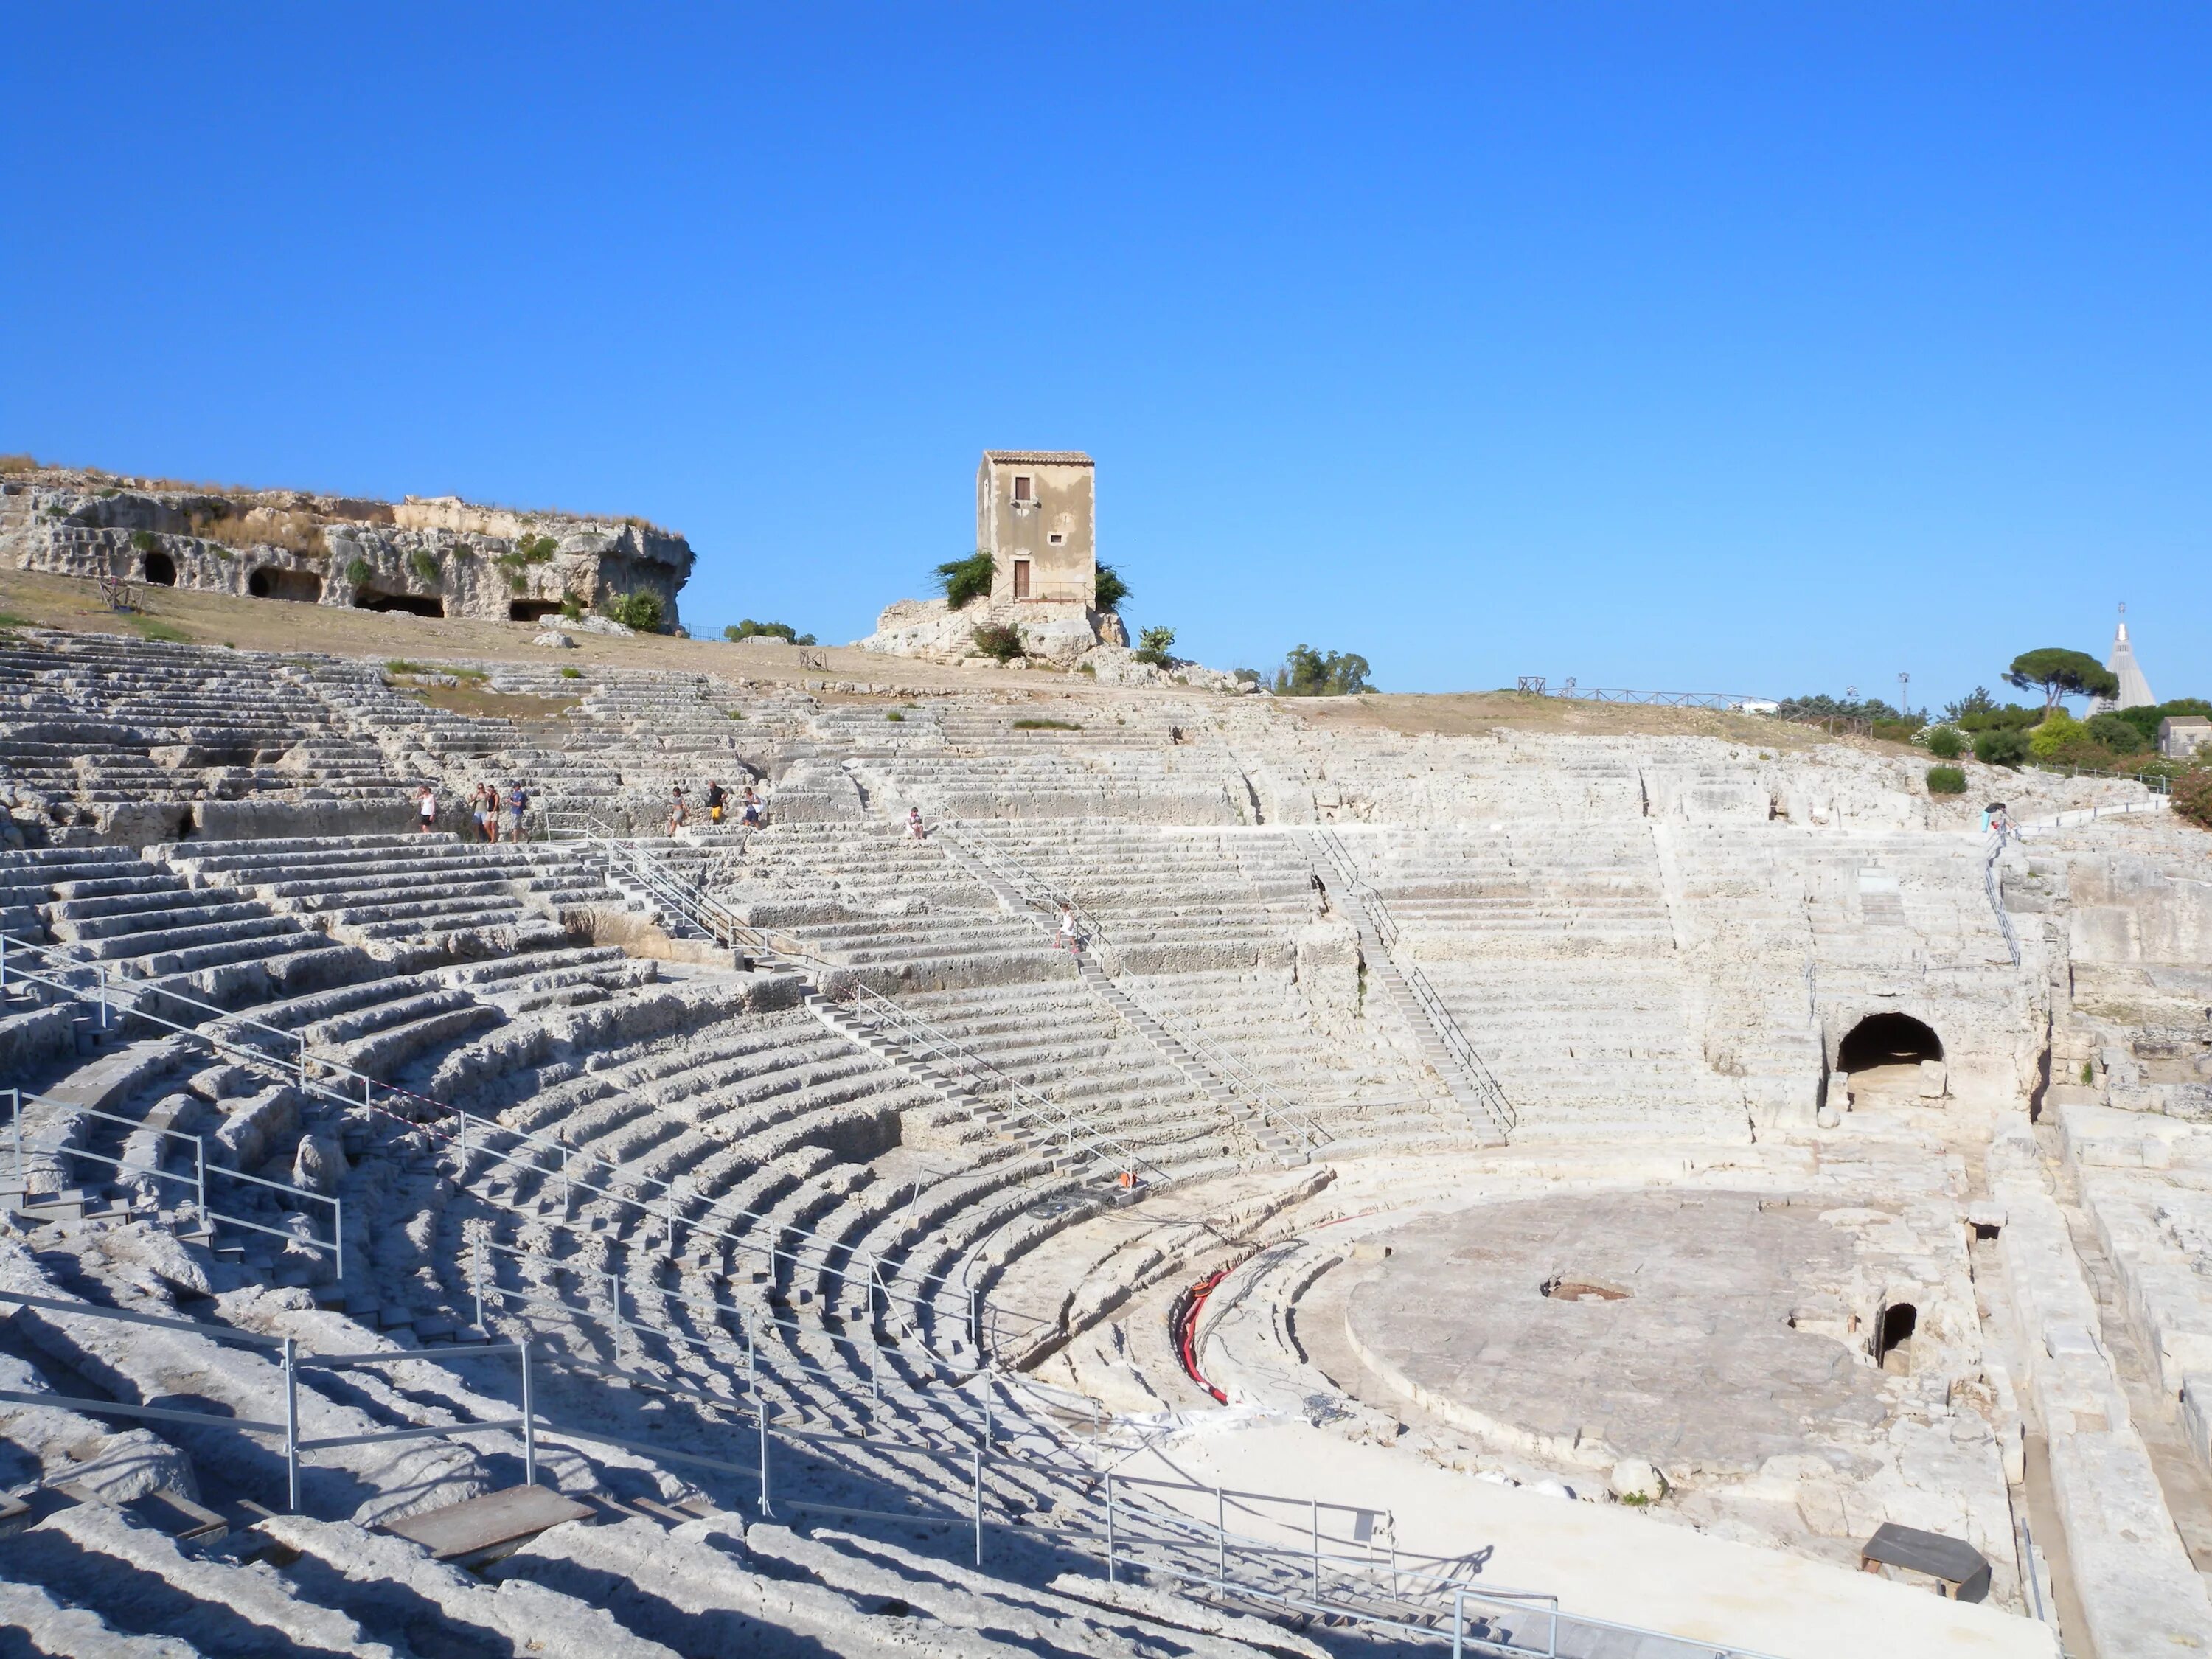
[(1474, 714), (262, 527), (18, 464), (502, 705)]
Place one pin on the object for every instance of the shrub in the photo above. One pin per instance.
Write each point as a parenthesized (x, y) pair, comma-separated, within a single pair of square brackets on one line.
[(2011, 717), (2089, 1073), (749, 629), (2119, 735), (1945, 742), (1046, 726), (572, 607), (357, 570), (1112, 591), (424, 564), (1946, 780), (639, 611), (999, 641), (2056, 730), (2192, 796), (1087, 668), (572, 673), (2001, 745), (1307, 672), (144, 540), (894, 714), (1153, 646), (962, 580), (536, 550), (1902, 730)]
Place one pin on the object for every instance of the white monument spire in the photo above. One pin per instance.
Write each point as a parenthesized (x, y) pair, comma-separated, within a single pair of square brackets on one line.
[(2134, 690)]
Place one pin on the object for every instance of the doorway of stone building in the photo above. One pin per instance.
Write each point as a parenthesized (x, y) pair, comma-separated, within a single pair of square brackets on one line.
[(1021, 579)]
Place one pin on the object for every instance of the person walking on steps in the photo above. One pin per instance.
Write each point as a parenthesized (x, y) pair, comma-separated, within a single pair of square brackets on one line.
[(1070, 937), (426, 809), (715, 800), (750, 810), (518, 805), (678, 813), (913, 830)]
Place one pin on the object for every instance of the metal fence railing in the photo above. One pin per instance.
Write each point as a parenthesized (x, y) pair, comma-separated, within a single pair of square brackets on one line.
[(208, 1214), (1369, 900), (1302, 1557), (1042, 900)]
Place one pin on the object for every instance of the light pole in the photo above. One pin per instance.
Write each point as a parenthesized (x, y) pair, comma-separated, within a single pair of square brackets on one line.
[(1904, 696)]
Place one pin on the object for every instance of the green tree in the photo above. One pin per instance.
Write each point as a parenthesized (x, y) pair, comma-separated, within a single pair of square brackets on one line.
[(638, 611), (2057, 672), (1945, 742), (2001, 745), (1307, 672), (1153, 646), (749, 629), (1113, 592), (1976, 702), (962, 580), (2056, 730)]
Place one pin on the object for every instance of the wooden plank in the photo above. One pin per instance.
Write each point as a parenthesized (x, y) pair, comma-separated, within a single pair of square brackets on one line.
[(501, 1518)]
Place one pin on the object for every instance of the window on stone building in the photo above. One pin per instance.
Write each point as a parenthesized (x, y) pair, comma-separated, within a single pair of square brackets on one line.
[(1022, 487), (1055, 538)]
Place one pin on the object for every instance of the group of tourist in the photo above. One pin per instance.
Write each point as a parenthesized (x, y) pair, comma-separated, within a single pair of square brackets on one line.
[(751, 809), (487, 807)]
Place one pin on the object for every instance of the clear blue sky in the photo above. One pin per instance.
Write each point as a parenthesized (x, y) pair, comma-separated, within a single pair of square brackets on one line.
[(1762, 348)]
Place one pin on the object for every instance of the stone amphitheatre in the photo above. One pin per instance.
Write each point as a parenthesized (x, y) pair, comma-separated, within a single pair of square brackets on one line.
[(1501, 1175)]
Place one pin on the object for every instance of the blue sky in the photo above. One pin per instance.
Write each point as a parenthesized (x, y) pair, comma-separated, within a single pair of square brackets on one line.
[(1764, 348)]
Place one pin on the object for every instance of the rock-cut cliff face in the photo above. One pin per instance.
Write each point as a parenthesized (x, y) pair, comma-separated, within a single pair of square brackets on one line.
[(435, 557)]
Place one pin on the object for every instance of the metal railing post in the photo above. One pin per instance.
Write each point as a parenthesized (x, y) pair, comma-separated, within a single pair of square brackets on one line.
[(103, 996), (979, 1503), (1316, 1502), (1110, 1526), (529, 1418), (760, 1409), (475, 1279), (199, 1178), (15, 1135), (338, 1235), (291, 1427), (1220, 1542)]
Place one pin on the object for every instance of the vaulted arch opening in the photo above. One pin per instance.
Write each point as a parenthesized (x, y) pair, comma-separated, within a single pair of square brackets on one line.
[(1887, 1039), (160, 570)]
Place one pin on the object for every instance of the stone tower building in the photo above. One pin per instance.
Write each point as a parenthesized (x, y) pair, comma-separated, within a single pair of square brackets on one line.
[(1035, 515)]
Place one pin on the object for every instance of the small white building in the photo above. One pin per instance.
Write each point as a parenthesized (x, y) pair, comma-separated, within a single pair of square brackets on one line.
[(2181, 736)]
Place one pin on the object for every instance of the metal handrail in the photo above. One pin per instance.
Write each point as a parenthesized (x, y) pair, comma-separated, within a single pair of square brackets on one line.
[(1237, 1076), (1369, 901), (1036, 1110), (197, 1180), (552, 1158), (1992, 850)]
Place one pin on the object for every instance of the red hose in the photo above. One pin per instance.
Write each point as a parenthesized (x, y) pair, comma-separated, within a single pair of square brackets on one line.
[(1188, 1310)]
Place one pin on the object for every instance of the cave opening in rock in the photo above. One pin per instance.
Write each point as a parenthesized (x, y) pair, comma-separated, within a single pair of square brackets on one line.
[(160, 570), (1893, 1337), (415, 604), (273, 582), (531, 610)]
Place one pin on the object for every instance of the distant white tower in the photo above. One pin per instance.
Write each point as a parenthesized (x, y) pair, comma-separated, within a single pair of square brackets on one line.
[(2135, 690)]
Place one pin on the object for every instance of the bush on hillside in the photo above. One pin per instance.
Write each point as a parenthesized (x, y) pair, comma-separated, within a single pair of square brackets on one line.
[(1898, 731), (1112, 591), (2120, 736), (1945, 742), (638, 611), (2010, 718), (1946, 780), (964, 580), (1153, 646), (2192, 796), (999, 641), (2001, 745), (1822, 707), (2055, 731)]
